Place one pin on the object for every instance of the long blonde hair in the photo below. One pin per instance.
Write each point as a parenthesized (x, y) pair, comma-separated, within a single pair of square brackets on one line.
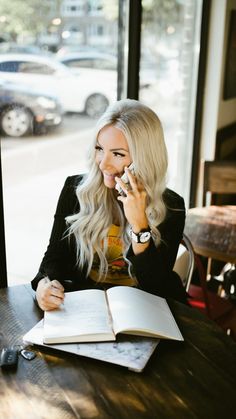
[(144, 134)]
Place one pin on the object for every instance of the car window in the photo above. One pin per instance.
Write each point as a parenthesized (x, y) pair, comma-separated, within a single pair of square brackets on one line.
[(104, 64), (35, 68), (79, 63), (9, 66), (98, 63)]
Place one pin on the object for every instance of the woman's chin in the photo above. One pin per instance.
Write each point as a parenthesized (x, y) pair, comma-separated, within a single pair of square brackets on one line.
[(110, 184)]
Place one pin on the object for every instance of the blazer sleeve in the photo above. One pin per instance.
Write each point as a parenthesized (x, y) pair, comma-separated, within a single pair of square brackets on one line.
[(57, 260), (154, 267)]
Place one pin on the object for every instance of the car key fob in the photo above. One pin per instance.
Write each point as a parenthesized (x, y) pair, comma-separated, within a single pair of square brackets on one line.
[(29, 355), (9, 358)]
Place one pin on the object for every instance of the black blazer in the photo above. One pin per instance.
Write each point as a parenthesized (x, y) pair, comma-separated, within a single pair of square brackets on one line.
[(152, 268)]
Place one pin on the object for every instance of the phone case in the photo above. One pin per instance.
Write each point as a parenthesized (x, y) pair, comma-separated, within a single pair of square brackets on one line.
[(125, 179)]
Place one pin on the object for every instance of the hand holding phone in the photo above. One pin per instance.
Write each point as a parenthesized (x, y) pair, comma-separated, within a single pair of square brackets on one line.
[(125, 179)]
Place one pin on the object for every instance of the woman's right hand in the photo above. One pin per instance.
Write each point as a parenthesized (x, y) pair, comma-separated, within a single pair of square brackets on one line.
[(49, 294)]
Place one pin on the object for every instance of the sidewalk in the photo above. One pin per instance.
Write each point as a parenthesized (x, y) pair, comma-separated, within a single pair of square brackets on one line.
[(33, 177)]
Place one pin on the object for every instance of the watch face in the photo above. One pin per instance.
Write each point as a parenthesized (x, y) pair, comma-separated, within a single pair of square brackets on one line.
[(144, 237)]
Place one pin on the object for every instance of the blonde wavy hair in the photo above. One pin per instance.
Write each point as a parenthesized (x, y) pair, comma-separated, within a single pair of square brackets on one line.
[(144, 135)]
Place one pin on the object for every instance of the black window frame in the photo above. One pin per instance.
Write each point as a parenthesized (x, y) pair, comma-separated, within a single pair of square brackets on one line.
[(3, 266)]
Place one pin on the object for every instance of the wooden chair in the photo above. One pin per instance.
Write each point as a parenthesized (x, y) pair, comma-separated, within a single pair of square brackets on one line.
[(212, 232), (212, 229), (219, 178)]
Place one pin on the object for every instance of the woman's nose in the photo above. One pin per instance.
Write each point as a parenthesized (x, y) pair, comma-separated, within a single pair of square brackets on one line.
[(104, 163)]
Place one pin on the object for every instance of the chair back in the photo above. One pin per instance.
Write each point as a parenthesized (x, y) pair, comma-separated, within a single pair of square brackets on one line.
[(184, 264), (219, 178)]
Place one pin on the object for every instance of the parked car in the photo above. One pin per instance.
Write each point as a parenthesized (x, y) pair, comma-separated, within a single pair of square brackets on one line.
[(90, 60), (71, 48), (80, 92), (12, 47), (94, 61), (24, 111)]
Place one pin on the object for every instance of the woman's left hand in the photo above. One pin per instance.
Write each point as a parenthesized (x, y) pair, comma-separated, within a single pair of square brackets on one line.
[(134, 202)]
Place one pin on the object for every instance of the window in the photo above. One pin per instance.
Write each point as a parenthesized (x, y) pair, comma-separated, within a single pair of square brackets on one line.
[(169, 67), (93, 62), (100, 30), (34, 68), (95, 7), (9, 66), (35, 166)]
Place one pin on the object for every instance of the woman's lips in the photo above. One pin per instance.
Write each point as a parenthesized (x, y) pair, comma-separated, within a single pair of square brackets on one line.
[(110, 176)]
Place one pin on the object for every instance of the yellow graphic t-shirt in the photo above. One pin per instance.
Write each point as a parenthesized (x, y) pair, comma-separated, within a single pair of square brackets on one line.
[(117, 267)]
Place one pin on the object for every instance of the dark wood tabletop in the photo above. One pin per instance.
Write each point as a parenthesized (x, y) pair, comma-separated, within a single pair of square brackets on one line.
[(191, 379), (212, 231)]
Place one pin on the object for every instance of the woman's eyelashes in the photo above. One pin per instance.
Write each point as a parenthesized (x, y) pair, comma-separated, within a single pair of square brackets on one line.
[(99, 150), (117, 154)]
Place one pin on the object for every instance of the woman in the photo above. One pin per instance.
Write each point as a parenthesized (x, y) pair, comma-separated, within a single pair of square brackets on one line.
[(102, 238)]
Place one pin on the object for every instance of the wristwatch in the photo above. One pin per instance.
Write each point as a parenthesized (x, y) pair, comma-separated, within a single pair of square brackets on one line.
[(142, 237)]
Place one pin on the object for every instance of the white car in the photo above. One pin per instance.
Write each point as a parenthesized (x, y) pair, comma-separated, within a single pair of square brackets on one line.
[(84, 91), (90, 60), (104, 65)]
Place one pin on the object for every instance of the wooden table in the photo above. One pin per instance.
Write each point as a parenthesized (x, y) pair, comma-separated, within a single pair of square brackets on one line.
[(212, 231), (191, 379)]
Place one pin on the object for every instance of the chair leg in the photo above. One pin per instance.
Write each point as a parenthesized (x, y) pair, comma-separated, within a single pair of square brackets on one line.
[(202, 278), (208, 272)]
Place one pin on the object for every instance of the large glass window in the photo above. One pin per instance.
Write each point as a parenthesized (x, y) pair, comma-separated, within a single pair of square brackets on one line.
[(170, 41), (51, 97), (46, 133)]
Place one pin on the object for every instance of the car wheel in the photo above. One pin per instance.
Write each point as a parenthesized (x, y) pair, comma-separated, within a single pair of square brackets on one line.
[(95, 105), (16, 121)]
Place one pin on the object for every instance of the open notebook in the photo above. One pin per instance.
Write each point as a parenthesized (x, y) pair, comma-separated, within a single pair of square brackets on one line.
[(96, 315), (132, 352)]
